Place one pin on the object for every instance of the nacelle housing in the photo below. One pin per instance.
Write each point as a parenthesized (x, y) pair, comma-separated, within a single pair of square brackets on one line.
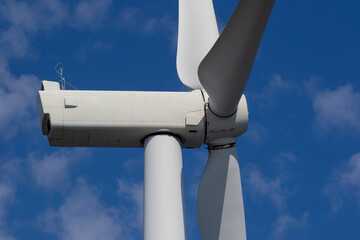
[(73, 118)]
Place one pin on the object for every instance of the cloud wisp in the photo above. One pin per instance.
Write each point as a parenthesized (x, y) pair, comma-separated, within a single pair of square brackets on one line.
[(7, 195), (275, 87), (17, 102), (26, 19), (285, 223), (133, 194), (277, 191), (256, 132), (46, 14), (82, 217), (90, 13), (344, 183), (338, 108), (52, 171), (260, 185), (134, 19)]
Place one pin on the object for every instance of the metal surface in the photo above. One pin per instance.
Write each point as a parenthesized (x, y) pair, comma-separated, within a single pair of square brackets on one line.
[(119, 118), (225, 70), (220, 203), (163, 189), (197, 33), (219, 128)]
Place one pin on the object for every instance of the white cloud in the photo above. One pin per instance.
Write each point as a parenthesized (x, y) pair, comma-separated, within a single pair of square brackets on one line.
[(338, 108), (284, 159), (26, 18), (259, 185), (83, 52), (9, 176), (285, 223), (90, 13), (129, 17), (256, 132), (7, 195), (17, 99), (278, 83), (134, 164), (46, 14), (276, 86), (351, 176), (133, 193), (275, 189), (133, 18), (53, 171), (11, 171), (98, 45), (344, 182), (35, 15), (13, 43), (82, 217), (5, 236)]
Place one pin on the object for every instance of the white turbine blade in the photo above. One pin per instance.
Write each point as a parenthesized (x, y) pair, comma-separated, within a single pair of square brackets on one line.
[(225, 70), (220, 203), (163, 189), (197, 33)]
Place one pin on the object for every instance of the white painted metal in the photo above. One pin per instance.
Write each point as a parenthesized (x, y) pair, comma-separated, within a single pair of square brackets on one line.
[(225, 70), (230, 127), (120, 118), (197, 33), (163, 189), (220, 203), (50, 86), (125, 119)]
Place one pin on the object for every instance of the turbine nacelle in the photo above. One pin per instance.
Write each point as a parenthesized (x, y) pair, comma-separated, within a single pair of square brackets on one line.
[(72, 118)]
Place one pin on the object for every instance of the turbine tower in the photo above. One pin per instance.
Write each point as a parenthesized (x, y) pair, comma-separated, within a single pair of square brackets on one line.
[(216, 69)]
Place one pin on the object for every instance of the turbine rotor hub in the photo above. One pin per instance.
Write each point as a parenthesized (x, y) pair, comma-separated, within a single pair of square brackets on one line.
[(222, 131)]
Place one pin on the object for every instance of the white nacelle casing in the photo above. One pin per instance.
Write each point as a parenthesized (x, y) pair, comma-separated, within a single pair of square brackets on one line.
[(119, 118), (125, 118)]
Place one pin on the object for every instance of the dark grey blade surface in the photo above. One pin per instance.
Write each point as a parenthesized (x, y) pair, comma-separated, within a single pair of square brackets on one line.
[(225, 70)]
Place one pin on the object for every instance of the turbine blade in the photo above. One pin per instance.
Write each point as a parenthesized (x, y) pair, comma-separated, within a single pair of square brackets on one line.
[(225, 70), (197, 33), (220, 203)]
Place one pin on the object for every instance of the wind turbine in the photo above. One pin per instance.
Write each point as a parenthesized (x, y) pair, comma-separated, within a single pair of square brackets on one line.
[(216, 69)]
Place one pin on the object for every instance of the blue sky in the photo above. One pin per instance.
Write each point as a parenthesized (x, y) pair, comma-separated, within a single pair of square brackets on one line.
[(300, 159)]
